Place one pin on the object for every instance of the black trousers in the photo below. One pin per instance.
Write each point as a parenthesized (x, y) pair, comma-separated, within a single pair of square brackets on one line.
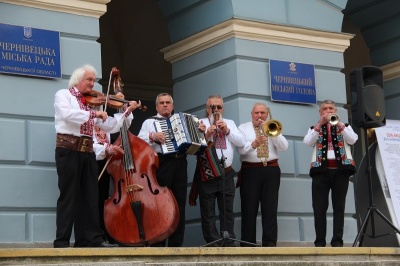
[(172, 173), (322, 184), (211, 192), (260, 186), (77, 204), (104, 194)]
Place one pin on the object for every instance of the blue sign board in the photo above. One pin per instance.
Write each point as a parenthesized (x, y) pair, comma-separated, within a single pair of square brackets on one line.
[(292, 82), (30, 51)]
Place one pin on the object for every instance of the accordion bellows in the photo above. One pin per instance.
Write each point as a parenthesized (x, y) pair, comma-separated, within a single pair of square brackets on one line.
[(182, 134), (208, 163)]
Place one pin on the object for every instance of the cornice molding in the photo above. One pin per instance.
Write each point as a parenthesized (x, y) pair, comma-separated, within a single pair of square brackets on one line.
[(257, 31), (391, 71), (89, 8)]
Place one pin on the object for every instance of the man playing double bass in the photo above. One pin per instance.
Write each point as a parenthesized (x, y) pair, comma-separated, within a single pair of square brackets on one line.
[(172, 171), (103, 148)]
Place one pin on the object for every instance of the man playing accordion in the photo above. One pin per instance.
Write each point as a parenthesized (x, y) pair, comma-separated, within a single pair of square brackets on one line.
[(172, 170)]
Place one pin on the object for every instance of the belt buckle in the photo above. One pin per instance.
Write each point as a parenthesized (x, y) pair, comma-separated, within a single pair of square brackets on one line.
[(85, 141), (84, 144), (82, 148)]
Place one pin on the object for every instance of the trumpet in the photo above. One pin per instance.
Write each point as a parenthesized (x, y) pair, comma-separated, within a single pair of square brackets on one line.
[(272, 128), (333, 119)]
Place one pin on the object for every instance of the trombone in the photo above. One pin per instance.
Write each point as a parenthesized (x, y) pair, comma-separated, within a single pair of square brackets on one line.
[(272, 128)]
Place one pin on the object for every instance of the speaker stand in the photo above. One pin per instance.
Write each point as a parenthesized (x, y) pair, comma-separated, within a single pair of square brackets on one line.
[(372, 209)]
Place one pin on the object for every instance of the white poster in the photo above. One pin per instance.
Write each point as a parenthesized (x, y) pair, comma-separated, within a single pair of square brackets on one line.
[(389, 149)]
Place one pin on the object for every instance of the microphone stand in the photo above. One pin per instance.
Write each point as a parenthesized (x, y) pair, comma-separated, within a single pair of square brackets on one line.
[(224, 234)]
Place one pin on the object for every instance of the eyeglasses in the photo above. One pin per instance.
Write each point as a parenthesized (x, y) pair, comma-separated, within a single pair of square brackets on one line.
[(212, 107)]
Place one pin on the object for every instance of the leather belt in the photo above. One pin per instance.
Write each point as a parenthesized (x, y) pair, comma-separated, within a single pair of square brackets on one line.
[(331, 164), (228, 169), (269, 163), (71, 142)]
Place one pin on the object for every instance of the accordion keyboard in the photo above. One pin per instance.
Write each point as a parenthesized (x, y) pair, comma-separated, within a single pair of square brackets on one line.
[(168, 146)]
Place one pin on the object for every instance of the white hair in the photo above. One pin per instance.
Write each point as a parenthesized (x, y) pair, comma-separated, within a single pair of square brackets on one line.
[(78, 74)]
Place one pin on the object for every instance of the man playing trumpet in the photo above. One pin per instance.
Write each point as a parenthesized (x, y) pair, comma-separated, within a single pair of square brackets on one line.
[(331, 166), (260, 175), (225, 135)]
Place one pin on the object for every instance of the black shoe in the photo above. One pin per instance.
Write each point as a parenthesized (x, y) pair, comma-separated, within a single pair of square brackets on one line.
[(80, 245), (105, 244), (174, 245), (61, 245), (269, 244), (159, 244), (213, 245), (319, 245), (337, 245), (228, 244)]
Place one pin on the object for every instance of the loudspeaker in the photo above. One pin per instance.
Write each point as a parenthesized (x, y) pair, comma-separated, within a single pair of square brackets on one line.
[(367, 97)]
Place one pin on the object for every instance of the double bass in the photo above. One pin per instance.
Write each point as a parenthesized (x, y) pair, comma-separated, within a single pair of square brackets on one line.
[(139, 212)]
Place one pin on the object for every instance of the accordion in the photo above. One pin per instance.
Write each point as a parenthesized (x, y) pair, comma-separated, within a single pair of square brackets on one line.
[(182, 134)]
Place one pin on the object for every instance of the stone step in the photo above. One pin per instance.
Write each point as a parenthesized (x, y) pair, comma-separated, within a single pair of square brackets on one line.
[(237, 263), (196, 256)]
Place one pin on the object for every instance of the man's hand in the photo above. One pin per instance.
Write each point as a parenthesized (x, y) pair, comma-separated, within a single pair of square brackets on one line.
[(221, 125), (102, 115), (134, 105), (159, 137), (210, 131), (202, 126), (258, 141), (114, 150)]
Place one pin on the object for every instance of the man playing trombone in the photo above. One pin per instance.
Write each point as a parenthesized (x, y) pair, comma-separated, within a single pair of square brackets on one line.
[(331, 166), (260, 175)]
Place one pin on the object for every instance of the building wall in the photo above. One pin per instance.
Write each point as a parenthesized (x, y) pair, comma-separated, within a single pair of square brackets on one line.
[(29, 192)]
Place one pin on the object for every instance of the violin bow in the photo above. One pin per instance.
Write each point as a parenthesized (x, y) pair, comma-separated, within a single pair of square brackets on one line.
[(105, 167), (114, 72), (108, 90)]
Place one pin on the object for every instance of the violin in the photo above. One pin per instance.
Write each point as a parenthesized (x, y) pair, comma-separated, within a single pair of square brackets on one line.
[(95, 98)]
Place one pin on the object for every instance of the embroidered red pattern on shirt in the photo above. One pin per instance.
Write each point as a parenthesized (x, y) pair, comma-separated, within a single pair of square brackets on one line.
[(87, 127), (219, 140), (101, 136)]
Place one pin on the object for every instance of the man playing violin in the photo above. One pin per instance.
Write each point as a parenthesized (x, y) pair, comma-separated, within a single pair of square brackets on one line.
[(76, 162)]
